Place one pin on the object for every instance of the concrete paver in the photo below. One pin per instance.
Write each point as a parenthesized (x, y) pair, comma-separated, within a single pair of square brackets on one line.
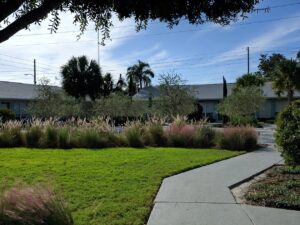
[(198, 214)]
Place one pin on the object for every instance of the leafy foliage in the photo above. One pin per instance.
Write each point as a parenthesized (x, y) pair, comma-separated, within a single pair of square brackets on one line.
[(6, 115), (108, 84), (243, 103), (248, 80), (174, 98), (140, 74), (267, 64), (286, 78), (284, 73), (288, 133), (26, 12), (52, 102), (118, 105), (82, 78)]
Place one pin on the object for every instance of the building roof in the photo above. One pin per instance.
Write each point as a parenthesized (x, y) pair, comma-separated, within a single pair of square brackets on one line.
[(17, 91), (209, 91)]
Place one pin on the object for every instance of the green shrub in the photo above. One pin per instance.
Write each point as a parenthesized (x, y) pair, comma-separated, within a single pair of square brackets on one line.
[(204, 137), (155, 135), (33, 137), (6, 115), (134, 134), (288, 133), (35, 205), (237, 138), (243, 121)]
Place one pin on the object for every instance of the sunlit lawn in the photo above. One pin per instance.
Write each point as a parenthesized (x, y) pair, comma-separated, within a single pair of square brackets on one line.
[(111, 186)]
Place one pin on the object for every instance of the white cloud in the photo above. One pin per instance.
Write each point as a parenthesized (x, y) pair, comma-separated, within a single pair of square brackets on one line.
[(273, 38), (52, 51)]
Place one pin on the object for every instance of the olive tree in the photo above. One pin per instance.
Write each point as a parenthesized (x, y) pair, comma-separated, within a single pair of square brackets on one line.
[(242, 104), (174, 97)]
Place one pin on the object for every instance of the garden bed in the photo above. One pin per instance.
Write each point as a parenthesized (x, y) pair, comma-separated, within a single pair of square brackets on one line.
[(103, 187), (278, 187)]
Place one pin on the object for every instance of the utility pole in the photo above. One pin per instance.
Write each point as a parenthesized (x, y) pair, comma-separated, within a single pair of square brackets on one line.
[(248, 56), (98, 45), (34, 72)]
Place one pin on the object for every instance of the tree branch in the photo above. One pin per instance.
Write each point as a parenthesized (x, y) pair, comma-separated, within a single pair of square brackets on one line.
[(29, 18), (8, 7)]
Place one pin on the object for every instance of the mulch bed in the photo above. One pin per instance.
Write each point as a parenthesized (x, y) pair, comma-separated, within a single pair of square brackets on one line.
[(279, 189)]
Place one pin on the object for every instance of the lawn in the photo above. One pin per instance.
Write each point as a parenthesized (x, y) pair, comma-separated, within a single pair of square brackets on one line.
[(110, 186)]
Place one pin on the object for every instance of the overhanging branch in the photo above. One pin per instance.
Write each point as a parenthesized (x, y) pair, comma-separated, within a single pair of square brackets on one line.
[(29, 18), (8, 7)]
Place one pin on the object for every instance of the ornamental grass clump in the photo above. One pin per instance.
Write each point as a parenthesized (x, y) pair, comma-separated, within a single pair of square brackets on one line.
[(135, 134), (155, 135), (64, 137), (50, 137), (238, 138), (11, 134), (204, 137), (33, 205), (180, 133)]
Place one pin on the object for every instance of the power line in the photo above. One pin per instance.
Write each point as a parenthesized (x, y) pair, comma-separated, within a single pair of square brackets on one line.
[(155, 34), (26, 60)]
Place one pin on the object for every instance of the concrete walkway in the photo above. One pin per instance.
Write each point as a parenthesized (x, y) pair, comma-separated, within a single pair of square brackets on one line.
[(202, 196)]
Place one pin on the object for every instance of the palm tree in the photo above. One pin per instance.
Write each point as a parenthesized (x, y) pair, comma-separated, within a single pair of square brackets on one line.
[(141, 73), (107, 84), (286, 78), (82, 78), (131, 86)]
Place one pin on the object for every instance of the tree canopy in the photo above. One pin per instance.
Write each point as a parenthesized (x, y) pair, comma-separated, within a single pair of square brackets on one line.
[(248, 80), (282, 72), (17, 15), (174, 98), (286, 78), (141, 73), (243, 103), (82, 78), (268, 63)]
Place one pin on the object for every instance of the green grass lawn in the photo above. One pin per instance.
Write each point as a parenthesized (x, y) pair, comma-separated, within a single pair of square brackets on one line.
[(111, 186)]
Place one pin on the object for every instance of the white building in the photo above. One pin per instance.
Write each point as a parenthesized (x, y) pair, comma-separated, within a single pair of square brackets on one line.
[(209, 96)]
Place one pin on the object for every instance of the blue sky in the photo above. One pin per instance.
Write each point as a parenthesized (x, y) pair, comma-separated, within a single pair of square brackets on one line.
[(201, 54)]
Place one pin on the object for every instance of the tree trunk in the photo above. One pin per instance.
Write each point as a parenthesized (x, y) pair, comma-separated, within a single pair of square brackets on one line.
[(141, 84), (290, 96)]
